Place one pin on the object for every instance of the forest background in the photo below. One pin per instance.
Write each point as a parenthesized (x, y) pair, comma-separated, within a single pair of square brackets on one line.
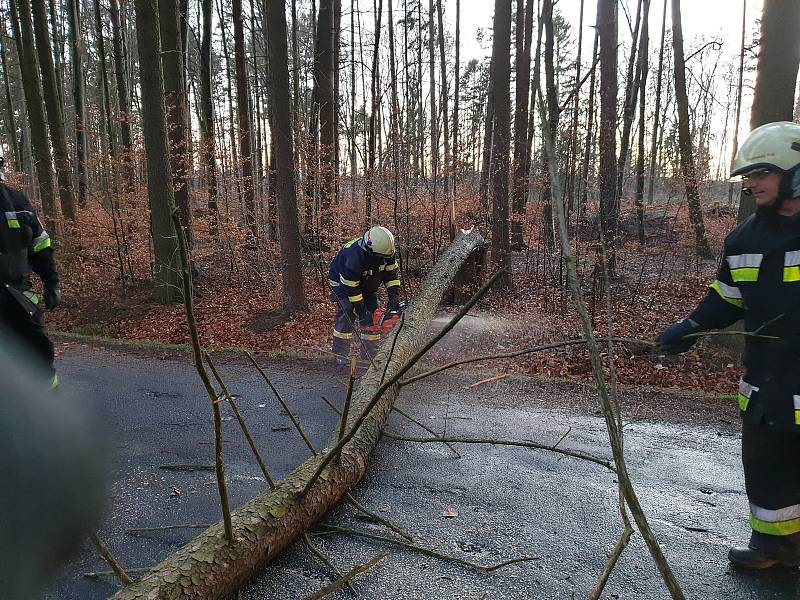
[(282, 129)]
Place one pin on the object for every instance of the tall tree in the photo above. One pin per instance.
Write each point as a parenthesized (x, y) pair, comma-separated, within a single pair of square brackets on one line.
[(55, 114), (123, 99), (208, 139), (501, 57), (776, 73), (77, 55), (522, 91), (644, 40), (324, 76), (684, 136), (292, 266), (31, 85), (607, 25), (243, 118), (11, 126), (175, 104), (657, 108), (159, 178), (738, 109)]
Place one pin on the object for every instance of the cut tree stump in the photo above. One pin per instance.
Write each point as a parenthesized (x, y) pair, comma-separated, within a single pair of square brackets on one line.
[(208, 567)]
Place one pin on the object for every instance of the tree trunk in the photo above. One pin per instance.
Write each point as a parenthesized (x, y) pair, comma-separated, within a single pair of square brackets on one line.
[(55, 115), (644, 41), (106, 94), (501, 57), (175, 105), (657, 111), (520, 180), (323, 76), (123, 97), (631, 98), (457, 82), (11, 126), (776, 74), (738, 115), (243, 114), (552, 117), (292, 266), (159, 178), (210, 568), (76, 42), (208, 139), (607, 135), (685, 140), (31, 85), (445, 121), (488, 130)]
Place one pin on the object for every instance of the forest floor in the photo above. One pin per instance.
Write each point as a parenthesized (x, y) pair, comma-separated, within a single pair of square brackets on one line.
[(239, 304)]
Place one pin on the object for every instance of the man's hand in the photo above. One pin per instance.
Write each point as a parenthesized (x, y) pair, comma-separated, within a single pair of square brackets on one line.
[(672, 341), (52, 296)]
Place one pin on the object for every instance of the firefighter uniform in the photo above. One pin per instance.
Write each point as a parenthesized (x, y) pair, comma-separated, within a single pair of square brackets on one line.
[(24, 247), (355, 276), (759, 281)]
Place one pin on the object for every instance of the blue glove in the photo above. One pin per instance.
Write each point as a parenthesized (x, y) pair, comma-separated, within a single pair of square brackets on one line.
[(672, 341)]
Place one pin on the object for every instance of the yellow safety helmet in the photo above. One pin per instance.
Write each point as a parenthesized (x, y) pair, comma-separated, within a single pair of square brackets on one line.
[(379, 241)]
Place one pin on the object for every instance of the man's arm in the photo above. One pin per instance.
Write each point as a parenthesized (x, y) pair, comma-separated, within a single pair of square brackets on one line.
[(391, 280), (40, 252)]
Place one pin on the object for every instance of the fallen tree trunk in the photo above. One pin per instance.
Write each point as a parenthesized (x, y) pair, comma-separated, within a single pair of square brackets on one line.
[(208, 567)]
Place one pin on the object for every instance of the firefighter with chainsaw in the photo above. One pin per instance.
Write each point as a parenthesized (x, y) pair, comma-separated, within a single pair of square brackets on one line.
[(356, 273), (24, 247), (759, 281)]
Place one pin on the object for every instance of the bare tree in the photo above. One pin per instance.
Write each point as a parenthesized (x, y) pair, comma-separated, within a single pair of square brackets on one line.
[(323, 76), (243, 114), (607, 25), (77, 54), (685, 140), (523, 68)]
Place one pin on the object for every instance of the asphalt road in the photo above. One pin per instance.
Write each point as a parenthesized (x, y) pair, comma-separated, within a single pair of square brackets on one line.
[(492, 504)]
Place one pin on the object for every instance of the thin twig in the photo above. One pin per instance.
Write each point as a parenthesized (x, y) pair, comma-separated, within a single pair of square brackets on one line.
[(426, 551), (327, 562), (105, 553), (240, 419), (376, 517), (346, 410), (520, 443), (487, 380), (138, 530), (187, 467), (345, 580), (622, 542), (391, 350), (392, 380), (98, 574), (516, 353), (425, 427), (295, 422)]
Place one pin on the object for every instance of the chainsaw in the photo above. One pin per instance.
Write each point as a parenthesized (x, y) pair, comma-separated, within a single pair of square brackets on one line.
[(386, 320)]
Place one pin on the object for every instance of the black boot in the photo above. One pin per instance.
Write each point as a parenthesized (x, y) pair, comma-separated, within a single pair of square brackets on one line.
[(765, 551)]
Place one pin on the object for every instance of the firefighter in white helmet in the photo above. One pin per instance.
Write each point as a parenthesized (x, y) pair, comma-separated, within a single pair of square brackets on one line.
[(759, 282), (356, 273)]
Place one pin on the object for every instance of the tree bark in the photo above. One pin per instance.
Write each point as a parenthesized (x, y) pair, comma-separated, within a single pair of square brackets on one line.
[(685, 140), (78, 93), (776, 73), (644, 41), (292, 266), (11, 126), (31, 85), (123, 97), (175, 106), (501, 57), (323, 76), (210, 568), (607, 24), (55, 114), (243, 115), (159, 178), (208, 139)]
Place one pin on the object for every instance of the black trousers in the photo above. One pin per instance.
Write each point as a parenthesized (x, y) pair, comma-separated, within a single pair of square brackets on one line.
[(24, 337), (771, 460)]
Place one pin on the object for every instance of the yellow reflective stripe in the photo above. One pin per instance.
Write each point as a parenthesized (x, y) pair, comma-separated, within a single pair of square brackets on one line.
[(780, 528), (350, 243), (371, 337), (391, 267), (392, 283), (745, 274), (46, 243), (728, 293), (54, 383), (349, 282), (382, 268), (743, 402), (783, 521), (791, 273), (797, 417), (358, 298), (11, 219), (333, 283), (344, 336)]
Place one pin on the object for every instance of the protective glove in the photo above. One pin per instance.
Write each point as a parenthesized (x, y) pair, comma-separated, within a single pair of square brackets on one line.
[(393, 305), (52, 295), (672, 340)]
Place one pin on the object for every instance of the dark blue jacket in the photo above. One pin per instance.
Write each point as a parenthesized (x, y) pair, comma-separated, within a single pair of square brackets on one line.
[(355, 271)]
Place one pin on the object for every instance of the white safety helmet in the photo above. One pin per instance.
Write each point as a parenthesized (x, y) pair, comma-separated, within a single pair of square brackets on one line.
[(773, 146), (379, 241)]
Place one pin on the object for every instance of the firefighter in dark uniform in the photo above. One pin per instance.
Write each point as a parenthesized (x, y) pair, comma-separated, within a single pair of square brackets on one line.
[(355, 275), (759, 281), (24, 247)]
